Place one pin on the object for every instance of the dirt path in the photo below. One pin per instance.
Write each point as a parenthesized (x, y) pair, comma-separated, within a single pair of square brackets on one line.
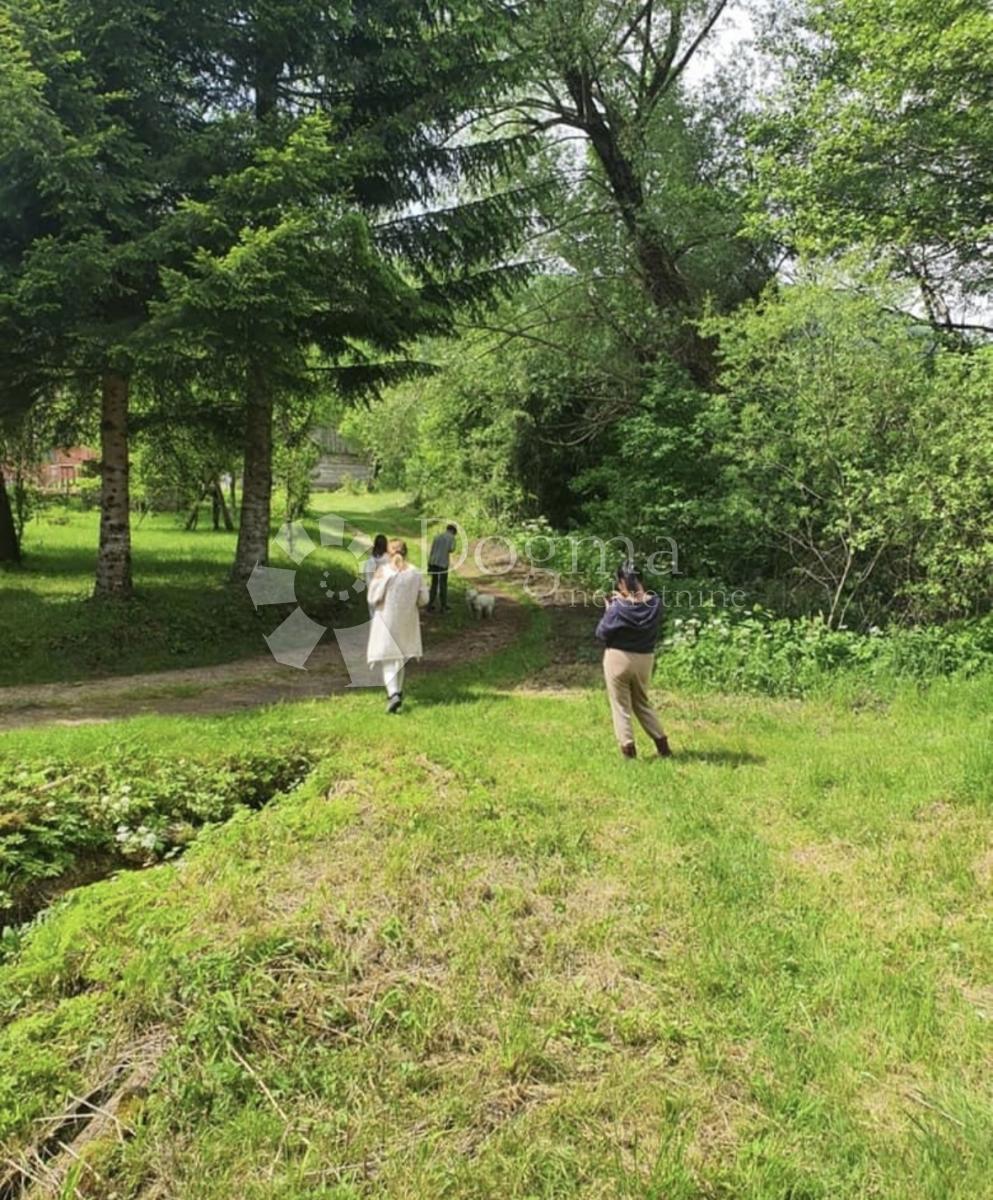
[(250, 683)]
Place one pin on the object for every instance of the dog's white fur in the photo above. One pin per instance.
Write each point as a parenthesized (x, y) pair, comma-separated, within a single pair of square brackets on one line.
[(480, 604)]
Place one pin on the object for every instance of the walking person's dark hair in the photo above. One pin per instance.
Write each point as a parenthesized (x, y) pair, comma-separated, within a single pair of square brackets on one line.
[(628, 575), (379, 544), (451, 529)]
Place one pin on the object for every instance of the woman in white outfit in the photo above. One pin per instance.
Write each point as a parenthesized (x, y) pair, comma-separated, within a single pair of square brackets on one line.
[(395, 594), (377, 558)]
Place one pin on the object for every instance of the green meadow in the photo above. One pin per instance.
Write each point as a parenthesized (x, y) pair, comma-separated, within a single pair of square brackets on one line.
[(185, 613), (470, 952), (687, 297)]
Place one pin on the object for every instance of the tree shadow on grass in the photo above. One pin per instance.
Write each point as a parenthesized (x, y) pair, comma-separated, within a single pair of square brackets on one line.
[(435, 697), (718, 758)]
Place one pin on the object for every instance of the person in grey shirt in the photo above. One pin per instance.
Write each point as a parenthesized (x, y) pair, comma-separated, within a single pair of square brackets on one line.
[(438, 562)]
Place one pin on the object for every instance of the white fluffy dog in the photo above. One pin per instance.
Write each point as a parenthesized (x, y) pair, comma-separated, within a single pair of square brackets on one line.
[(480, 604)]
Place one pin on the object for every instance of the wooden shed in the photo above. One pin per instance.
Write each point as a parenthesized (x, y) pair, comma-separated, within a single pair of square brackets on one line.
[(340, 459)]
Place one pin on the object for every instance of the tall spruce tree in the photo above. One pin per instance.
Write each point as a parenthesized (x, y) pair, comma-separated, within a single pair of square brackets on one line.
[(102, 145), (286, 283), (245, 187), (359, 110)]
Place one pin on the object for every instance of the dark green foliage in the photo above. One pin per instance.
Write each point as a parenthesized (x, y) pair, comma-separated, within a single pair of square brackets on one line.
[(212, 193), (130, 808), (843, 469), (659, 476), (753, 650), (107, 143)]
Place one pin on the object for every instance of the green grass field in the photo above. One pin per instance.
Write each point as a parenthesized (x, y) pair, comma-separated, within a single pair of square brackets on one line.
[(475, 954), (185, 612)]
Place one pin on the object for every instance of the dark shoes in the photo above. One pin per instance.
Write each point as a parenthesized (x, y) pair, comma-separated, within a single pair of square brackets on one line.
[(661, 745), (394, 703)]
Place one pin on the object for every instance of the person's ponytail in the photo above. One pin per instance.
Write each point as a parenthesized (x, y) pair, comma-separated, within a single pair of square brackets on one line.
[(398, 554)]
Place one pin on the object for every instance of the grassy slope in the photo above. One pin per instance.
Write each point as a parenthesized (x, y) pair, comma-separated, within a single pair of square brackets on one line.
[(185, 613), (475, 955)]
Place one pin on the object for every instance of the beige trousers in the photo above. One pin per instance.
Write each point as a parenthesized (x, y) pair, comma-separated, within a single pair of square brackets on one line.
[(628, 677)]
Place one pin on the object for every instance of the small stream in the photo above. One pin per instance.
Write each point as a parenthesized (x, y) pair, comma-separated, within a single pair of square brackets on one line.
[(72, 829)]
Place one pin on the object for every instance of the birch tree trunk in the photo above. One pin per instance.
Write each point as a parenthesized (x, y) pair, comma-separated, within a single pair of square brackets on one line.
[(10, 546), (256, 482), (222, 506), (114, 556)]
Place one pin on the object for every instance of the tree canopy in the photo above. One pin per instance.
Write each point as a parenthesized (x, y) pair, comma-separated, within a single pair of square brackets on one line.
[(882, 137), (559, 259)]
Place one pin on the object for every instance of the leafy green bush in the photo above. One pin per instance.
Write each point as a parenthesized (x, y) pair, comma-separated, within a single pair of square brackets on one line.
[(352, 486), (759, 652), (657, 475), (87, 491), (712, 641), (857, 449), (60, 816)]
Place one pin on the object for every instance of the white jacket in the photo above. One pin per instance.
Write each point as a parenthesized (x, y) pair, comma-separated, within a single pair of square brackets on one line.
[(395, 633), (372, 565)]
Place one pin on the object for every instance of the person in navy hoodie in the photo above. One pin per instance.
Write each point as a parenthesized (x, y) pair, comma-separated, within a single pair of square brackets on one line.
[(629, 628)]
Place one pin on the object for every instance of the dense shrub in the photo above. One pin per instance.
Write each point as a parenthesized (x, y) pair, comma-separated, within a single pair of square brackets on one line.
[(844, 466), (58, 815), (712, 641), (759, 652), (857, 449)]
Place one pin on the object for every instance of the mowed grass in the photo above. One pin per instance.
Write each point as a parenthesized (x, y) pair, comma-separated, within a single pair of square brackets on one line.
[(477, 955), (185, 613)]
